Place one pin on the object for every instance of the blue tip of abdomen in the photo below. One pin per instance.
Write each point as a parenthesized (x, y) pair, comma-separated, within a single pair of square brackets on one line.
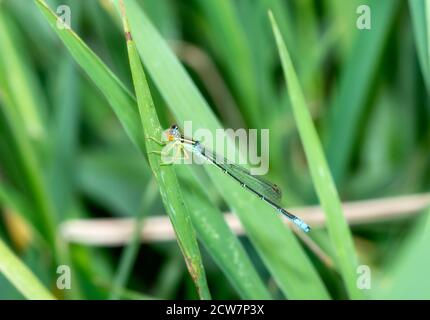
[(302, 225)]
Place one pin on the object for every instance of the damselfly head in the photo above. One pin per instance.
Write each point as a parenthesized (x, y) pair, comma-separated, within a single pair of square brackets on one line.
[(173, 133)]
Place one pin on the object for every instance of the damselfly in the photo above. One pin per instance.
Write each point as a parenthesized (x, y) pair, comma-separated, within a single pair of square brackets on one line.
[(265, 190)]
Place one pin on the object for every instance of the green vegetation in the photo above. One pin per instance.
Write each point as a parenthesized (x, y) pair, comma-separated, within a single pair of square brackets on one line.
[(348, 114)]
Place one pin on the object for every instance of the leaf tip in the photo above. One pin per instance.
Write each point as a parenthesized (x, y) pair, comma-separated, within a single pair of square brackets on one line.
[(270, 14)]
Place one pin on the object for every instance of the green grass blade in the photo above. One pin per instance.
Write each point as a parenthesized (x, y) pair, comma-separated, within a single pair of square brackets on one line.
[(122, 101), (235, 54), (21, 276), (129, 254), (321, 176), (406, 277), (229, 253), (290, 267), (24, 86), (169, 74), (169, 277), (165, 175), (24, 107), (29, 166), (421, 24), (34, 27), (113, 180), (64, 134), (355, 85), (164, 12), (15, 201)]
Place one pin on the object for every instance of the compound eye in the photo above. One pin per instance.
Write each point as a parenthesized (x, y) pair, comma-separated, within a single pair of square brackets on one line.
[(174, 127)]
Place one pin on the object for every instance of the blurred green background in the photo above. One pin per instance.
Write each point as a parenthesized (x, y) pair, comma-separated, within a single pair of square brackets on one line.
[(65, 155)]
